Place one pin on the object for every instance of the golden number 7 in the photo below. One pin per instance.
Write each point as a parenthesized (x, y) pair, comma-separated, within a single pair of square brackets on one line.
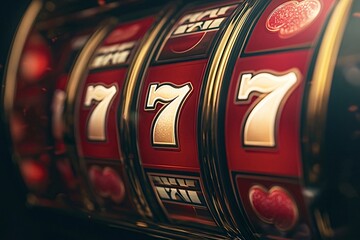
[(260, 124), (96, 125), (165, 124)]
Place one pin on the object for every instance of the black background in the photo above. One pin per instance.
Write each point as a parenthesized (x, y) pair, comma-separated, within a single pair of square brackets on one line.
[(13, 216)]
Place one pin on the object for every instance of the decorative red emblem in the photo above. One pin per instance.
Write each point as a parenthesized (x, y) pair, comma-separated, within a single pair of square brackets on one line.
[(292, 17), (274, 206), (107, 183)]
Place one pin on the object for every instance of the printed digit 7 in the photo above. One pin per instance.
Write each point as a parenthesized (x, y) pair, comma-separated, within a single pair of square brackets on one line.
[(259, 127), (165, 124), (96, 125)]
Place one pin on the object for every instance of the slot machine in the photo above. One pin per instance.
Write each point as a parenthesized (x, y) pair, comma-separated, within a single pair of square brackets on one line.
[(189, 119)]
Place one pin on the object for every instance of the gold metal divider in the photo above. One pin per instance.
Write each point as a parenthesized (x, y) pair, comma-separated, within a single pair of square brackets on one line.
[(12, 70), (76, 77), (127, 116), (318, 99), (12, 67), (210, 156)]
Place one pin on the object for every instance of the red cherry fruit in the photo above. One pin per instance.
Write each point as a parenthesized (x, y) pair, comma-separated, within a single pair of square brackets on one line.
[(291, 17), (275, 206), (107, 183)]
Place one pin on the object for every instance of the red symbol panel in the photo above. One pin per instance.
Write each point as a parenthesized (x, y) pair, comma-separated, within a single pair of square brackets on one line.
[(97, 116), (97, 131), (97, 125), (289, 24), (262, 119), (167, 126), (274, 206), (167, 120), (194, 33)]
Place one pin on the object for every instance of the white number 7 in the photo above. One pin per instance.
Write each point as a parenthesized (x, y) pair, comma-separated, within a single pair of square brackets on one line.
[(165, 123), (96, 123), (260, 125)]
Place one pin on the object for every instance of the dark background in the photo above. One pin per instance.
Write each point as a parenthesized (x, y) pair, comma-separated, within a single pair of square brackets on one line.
[(13, 215)]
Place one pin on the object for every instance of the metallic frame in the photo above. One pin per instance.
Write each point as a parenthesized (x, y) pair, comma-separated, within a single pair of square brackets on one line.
[(315, 109), (210, 120)]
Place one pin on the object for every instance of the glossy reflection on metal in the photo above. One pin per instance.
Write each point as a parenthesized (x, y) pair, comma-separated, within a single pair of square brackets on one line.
[(321, 82), (79, 70), (12, 67), (127, 118), (317, 107), (208, 116), (77, 75), (214, 170)]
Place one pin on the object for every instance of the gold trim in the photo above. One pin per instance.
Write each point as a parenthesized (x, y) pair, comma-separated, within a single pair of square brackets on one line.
[(323, 73), (209, 114), (79, 70), (135, 73), (22, 33), (324, 224), (318, 99), (77, 74)]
